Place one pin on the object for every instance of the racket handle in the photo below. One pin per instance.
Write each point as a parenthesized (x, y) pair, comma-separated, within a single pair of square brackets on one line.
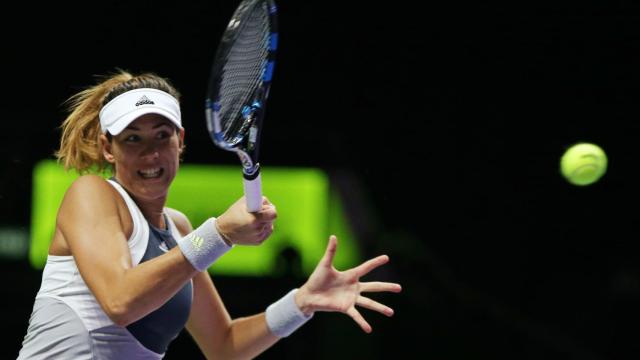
[(253, 194)]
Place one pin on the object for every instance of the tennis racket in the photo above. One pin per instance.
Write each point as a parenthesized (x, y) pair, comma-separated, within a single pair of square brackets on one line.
[(239, 87)]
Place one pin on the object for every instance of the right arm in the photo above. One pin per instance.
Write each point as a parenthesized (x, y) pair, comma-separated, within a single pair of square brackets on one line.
[(93, 226)]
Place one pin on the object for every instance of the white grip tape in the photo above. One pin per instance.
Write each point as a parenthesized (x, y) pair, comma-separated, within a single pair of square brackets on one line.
[(284, 317), (204, 245), (253, 194)]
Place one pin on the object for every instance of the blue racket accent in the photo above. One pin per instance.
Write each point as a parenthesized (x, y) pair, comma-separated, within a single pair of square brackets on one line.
[(213, 105), (268, 72), (246, 111), (273, 42)]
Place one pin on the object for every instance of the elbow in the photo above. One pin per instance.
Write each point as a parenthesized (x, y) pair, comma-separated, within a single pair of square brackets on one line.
[(120, 320), (118, 312)]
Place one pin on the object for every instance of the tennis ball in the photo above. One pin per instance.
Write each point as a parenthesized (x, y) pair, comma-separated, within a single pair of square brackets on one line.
[(583, 164)]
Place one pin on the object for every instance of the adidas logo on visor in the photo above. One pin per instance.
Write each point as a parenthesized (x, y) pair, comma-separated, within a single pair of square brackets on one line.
[(144, 100)]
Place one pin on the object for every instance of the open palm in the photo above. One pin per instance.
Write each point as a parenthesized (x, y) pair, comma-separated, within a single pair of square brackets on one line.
[(328, 289)]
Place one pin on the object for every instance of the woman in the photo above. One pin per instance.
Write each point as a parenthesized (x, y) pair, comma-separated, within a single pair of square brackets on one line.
[(125, 274)]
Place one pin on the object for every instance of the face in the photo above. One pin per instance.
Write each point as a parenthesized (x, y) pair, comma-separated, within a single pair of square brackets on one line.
[(145, 156)]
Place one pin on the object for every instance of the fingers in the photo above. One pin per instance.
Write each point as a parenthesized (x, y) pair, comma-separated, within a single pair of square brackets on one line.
[(330, 252), (377, 286), (374, 305), (266, 231), (267, 213), (371, 264), (355, 315), (265, 217)]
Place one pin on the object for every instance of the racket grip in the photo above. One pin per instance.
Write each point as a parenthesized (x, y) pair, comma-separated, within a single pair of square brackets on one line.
[(253, 194)]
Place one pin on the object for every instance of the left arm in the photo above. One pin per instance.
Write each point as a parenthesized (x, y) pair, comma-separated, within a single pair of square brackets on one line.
[(217, 335), (211, 326), (327, 289)]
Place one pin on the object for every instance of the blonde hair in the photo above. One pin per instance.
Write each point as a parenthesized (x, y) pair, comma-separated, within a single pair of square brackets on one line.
[(79, 144)]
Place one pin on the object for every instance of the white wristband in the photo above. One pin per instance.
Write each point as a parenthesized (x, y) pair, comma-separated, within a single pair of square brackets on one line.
[(204, 245), (284, 317)]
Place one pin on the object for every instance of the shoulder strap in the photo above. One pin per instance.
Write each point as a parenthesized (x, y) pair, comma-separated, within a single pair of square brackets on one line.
[(140, 234)]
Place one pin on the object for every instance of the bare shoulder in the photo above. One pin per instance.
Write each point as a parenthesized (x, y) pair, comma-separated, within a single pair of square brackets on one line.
[(180, 219), (90, 193), (90, 186)]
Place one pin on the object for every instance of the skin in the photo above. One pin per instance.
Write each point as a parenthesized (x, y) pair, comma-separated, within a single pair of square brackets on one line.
[(145, 157)]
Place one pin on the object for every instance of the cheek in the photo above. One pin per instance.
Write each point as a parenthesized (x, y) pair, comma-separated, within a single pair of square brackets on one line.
[(122, 166), (176, 148), (173, 157)]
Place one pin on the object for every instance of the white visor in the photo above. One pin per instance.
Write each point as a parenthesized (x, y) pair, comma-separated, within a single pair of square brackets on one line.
[(125, 108)]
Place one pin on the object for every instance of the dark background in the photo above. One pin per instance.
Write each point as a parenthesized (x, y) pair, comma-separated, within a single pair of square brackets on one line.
[(450, 119)]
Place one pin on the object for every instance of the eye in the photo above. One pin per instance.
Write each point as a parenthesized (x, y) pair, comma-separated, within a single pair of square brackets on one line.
[(132, 138), (163, 134)]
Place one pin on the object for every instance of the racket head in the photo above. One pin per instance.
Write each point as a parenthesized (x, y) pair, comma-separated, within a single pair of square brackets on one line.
[(240, 80)]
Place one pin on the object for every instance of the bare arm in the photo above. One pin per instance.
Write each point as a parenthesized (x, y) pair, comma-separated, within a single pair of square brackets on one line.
[(326, 290), (91, 222), (217, 335), (211, 326)]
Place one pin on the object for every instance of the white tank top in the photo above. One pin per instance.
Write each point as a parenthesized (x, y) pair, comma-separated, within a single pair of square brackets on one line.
[(61, 279)]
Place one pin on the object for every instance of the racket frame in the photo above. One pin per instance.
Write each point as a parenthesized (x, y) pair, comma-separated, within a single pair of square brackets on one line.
[(245, 145)]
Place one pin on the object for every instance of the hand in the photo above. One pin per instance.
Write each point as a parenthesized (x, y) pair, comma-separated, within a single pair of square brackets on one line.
[(331, 290), (240, 227)]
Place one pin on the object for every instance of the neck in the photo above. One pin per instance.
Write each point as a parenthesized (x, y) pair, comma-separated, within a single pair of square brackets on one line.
[(153, 212), (152, 209)]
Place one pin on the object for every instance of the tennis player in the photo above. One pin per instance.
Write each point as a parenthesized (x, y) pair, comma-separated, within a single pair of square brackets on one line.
[(125, 274)]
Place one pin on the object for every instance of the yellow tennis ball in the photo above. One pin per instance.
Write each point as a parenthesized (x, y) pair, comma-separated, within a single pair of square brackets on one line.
[(583, 164)]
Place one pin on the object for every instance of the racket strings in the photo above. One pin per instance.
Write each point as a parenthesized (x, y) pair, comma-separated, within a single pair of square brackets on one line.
[(243, 72)]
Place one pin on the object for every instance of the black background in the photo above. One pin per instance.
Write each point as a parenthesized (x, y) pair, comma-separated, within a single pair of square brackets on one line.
[(450, 116)]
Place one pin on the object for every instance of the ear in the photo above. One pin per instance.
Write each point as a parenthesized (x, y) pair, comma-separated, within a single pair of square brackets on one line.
[(107, 149), (181, 139)]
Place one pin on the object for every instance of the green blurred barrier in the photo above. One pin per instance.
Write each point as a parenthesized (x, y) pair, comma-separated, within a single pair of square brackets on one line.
[(308, 212)]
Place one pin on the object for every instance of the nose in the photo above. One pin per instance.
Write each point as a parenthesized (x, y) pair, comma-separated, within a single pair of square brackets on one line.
[(151, 152)]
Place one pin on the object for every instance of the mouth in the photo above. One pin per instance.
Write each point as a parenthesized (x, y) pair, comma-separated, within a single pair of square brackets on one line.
[(152, 173)]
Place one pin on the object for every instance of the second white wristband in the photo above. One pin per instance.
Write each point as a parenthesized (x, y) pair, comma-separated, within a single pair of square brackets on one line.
[(284, 317)]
